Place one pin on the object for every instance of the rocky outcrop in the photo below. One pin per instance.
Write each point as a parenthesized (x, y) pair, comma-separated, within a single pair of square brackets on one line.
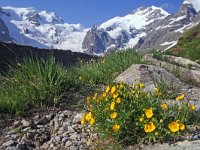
[(150, 75), (4, 33), (97, 41), (164, 33), (185, 74)]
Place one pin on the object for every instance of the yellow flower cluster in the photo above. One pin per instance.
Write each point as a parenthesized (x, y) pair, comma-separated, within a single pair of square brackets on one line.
[(88, 118), (175, 126)]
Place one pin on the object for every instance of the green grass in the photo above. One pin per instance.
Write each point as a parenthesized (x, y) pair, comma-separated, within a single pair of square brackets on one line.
[(188, 45), (33, 83), (103, 71), (37, 83)]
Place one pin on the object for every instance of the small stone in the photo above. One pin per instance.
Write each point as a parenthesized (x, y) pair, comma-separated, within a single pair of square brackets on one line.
[(44, 120), (74, 136), (26, 129), (40, 126), (83, 140), (64, 128), (21, 147), (11, 132), (68, 143), (51, 123), (57, 139), (77, 118), (14, 136), (51, 145), (17, 124), (9, 143), (64, 139), (25, 123)]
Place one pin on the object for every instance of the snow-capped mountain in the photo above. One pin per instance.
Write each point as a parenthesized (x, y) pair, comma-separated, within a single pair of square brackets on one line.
[(125, 31), (143, 29), (41, 29)]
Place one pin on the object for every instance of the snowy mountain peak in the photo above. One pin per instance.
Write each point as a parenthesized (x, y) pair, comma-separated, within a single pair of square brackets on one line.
[(194, 3), (32, 15), (43, 29)]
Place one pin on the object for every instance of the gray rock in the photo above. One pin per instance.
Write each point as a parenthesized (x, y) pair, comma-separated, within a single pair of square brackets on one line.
[(17, 124), (21, 147), (149, 75), (14, 136), (74, 136), (26, 129), (25, 123), (77, 118), (68, 143), (41, 126), (44, 120), (9, 143), (64, 140), (57, 139), (97, 41), (185, 74)]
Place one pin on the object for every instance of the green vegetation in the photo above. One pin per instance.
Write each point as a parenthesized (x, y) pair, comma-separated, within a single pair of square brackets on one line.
[(131, 115), (40, 83), (31, 83), (188, 45)]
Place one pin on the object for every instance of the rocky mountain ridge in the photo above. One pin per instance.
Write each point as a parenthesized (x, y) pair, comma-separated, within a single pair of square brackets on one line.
[(143, 29)]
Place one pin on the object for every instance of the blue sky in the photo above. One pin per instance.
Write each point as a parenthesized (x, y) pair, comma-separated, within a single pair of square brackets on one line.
[(90, 12)]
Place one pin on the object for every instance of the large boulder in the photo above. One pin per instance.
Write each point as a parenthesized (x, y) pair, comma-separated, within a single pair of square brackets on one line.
[(150, 75)]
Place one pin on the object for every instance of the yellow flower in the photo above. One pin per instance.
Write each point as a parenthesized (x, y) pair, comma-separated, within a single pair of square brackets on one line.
[(113, 115), (83, 119), (112, 106), (181, 126), (192, 107), (95, 96), (92, 120), (141, 85), (80, 78), (156, 133), (121, 85), (88, 100), (107, 89), (115, 95), (141, 119), (180, 97), (173, 126), (113, 89), (116, 127), (156, 89), (88, 116), (149, 127), (118, 100), (104, 94), (164, 106), (149, 112)]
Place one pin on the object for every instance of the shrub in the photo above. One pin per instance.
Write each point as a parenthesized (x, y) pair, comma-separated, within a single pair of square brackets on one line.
[(131, 115)]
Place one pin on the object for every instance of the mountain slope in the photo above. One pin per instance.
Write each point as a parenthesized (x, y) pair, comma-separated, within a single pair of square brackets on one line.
[(188, 45), (42, 29), (143, 29), (125, 31)]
